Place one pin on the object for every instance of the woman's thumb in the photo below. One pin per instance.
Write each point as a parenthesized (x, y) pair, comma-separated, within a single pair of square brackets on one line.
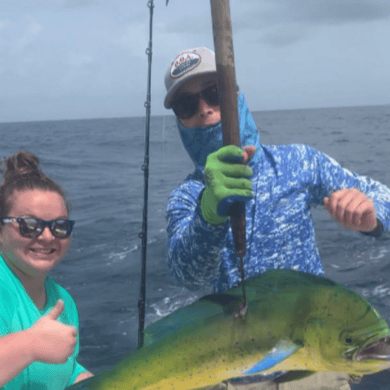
[(56, 310)]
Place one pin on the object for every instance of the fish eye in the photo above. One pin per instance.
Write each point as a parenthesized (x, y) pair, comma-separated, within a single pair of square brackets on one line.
[(346, 337)]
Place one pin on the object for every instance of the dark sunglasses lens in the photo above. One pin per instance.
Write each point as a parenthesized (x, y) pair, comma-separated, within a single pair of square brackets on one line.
[(30, 227), (210, 94), (186, 106), (61, 228)]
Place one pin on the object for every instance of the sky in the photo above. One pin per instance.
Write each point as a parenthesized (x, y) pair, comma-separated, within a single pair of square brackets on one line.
[(79, 59)]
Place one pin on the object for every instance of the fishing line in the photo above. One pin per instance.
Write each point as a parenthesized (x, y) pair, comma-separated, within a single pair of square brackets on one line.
[(163, 145)]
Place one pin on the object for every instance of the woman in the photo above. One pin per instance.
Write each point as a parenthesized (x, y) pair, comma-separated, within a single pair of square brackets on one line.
[(39, 342)]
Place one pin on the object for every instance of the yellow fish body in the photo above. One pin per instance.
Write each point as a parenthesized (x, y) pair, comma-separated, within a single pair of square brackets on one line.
[(294, 321)]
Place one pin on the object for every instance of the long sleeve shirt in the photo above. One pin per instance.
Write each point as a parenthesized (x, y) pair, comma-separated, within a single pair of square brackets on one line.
[(287, 181)]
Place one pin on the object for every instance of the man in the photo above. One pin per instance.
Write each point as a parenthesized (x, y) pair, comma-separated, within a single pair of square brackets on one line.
[(279, 184)]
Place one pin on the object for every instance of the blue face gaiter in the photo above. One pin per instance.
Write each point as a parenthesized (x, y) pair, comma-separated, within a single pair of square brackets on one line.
[(201, 141)]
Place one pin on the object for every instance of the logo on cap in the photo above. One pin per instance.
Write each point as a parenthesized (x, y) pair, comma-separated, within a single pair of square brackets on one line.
[(184, 63)]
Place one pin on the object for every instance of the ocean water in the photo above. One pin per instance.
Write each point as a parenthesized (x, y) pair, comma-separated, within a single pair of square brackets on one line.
[(98, 162)]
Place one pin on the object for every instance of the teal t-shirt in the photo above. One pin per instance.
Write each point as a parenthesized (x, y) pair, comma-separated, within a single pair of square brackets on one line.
[(18, 312)]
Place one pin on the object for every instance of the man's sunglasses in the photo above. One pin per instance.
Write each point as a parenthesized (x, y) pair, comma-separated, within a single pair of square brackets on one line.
[(186, 105), (31, 227)]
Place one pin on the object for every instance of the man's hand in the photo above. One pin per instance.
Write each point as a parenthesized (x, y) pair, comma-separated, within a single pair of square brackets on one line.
[(352, 209), (227, 181)]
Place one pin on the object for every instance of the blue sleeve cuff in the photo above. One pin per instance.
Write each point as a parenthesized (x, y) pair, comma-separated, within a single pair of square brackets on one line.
[(377, 232)]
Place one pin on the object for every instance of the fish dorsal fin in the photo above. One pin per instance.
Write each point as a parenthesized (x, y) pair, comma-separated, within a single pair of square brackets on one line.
[(195, 314), (282, 350), (230, 304)]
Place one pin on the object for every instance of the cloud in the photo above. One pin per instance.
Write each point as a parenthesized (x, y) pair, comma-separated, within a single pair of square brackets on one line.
[(65, 51), (31, 33), (286, 34), (19, 52), (67, 3), (19, 36), (276, 22), (4, 24), (124, 37), (320, 11), (194, 24), (284, 22), (78, 60), (336, 11)]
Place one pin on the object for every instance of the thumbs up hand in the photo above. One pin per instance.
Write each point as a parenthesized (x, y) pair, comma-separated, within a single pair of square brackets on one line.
[(51, 341)]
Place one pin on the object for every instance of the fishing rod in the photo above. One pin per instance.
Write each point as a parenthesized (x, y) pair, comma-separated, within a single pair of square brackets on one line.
[(145, 167), (227, 89)]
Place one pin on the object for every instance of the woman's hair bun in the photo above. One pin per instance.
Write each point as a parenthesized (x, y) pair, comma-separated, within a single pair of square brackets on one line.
[(21, 172), (21, 163)]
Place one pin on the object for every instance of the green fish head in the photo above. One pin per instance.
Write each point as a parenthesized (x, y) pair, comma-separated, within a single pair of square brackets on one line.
[(345, 333)]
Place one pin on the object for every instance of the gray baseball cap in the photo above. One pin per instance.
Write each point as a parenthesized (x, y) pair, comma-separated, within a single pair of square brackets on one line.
[(188, 64)]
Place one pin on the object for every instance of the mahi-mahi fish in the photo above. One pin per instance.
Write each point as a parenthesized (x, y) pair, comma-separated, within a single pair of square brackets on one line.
[(294, 322)]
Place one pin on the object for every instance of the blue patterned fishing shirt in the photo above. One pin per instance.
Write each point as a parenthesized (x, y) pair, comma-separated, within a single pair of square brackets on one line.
[(287, 181)]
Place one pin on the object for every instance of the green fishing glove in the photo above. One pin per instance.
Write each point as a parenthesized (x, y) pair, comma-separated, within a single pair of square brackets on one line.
[(226, 183)]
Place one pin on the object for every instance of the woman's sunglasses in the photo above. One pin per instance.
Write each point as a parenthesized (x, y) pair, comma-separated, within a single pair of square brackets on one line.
[(186, 106), (31, 227)]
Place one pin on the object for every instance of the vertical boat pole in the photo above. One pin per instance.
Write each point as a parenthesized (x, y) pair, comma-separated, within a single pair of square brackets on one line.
[(224, 57), (145, 168)]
